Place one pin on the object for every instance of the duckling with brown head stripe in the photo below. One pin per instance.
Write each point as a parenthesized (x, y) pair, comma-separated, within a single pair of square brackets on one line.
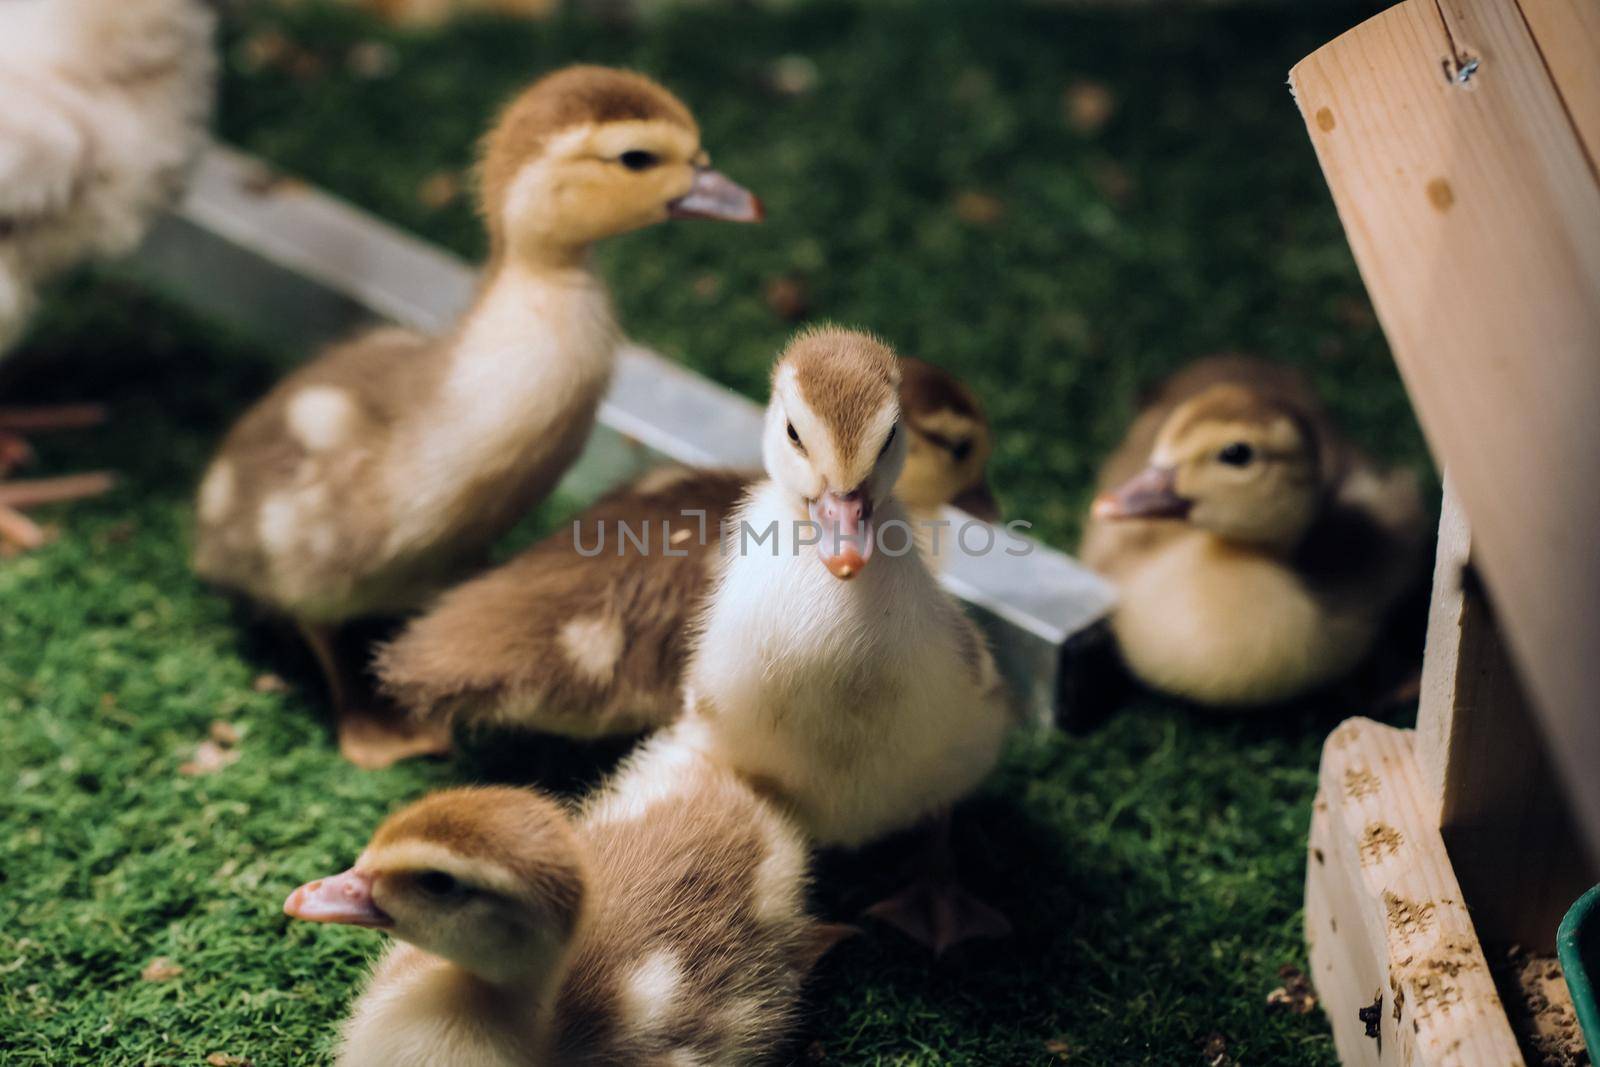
[(664, 924), (1256, 551), (831, 667), (371, 478)]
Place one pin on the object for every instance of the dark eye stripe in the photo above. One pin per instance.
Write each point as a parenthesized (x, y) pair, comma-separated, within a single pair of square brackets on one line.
[(959, 449)]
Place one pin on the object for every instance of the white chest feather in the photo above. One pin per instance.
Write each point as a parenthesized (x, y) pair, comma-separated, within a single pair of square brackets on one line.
[(856, 699), (419, 1011), (516, 404)]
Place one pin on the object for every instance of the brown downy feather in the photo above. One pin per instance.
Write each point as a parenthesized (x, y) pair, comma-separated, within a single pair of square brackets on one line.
[(710, 877), (672, 905), (493, 651)]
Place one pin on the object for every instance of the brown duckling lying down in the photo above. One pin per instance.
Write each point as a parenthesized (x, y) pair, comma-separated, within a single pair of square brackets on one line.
[(664, 925), (376, 475), (594, 645), (1256, 551)]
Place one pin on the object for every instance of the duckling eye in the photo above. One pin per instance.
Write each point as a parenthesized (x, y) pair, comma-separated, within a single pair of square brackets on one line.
[(1237, 454), (961, 449), (438, 884), (795, 438), (887, 441), (638, 159)]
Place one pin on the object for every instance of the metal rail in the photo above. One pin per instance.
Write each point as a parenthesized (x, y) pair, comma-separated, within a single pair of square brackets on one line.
[(295, 267)]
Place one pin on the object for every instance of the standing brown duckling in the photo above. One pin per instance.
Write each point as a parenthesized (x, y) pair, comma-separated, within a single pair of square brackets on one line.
[(1256, 551), (371, 478), (588, 637), (663, 925)]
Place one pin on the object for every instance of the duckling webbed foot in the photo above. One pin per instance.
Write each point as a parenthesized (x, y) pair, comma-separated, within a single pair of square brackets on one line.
[(373, 734), (940, 913), (935, 909), (374, 739)]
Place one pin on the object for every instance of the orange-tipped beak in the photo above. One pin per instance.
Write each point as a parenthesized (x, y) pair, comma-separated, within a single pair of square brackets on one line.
[(1150, 494), (344, 898), (716, 196), (847, 536)]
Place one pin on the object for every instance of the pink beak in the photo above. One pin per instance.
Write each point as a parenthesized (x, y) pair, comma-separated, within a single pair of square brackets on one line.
[(716, 196), (846, 521), (344, 898), (1150, 494)]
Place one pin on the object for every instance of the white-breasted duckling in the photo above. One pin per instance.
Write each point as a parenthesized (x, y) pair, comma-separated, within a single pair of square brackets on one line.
[(586, 633), (664, 924), (371, 478), (833, 669), (1255, 550)]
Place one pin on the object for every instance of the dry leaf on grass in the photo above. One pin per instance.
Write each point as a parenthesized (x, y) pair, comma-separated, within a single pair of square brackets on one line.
[(209, 758), (792, 75), (269, 683), (1214, 1048), (788, 298), (979, 209), (160, 969), (222, 1059), (1112, 181), (1089, 105), (1295, 994), (219, 750), (262, 50), (1058, 1048), (372, 60), (439, 189), (707, 286)]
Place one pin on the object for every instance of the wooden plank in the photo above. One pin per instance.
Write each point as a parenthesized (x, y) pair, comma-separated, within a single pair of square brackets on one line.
[(1385, 921), (1488, 780), (1472, 211), (1345, 970), (1567, 33)]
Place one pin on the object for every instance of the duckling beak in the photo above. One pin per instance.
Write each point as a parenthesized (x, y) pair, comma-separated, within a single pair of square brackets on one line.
[(716, 196), (1150, 494), (344, 898), (846, 521)]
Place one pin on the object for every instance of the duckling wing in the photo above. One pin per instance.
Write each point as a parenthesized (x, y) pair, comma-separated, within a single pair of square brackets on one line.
[(1367, 546), (291, 511), (583, 634)]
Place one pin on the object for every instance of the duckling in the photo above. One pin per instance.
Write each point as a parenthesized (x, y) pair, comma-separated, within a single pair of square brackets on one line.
[(831, 668), (664, 924), (374, 476), (948, 443), (587, 638), (1256, 551)]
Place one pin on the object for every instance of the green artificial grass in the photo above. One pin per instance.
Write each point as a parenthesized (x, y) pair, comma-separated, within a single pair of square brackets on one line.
[(927, 185)]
